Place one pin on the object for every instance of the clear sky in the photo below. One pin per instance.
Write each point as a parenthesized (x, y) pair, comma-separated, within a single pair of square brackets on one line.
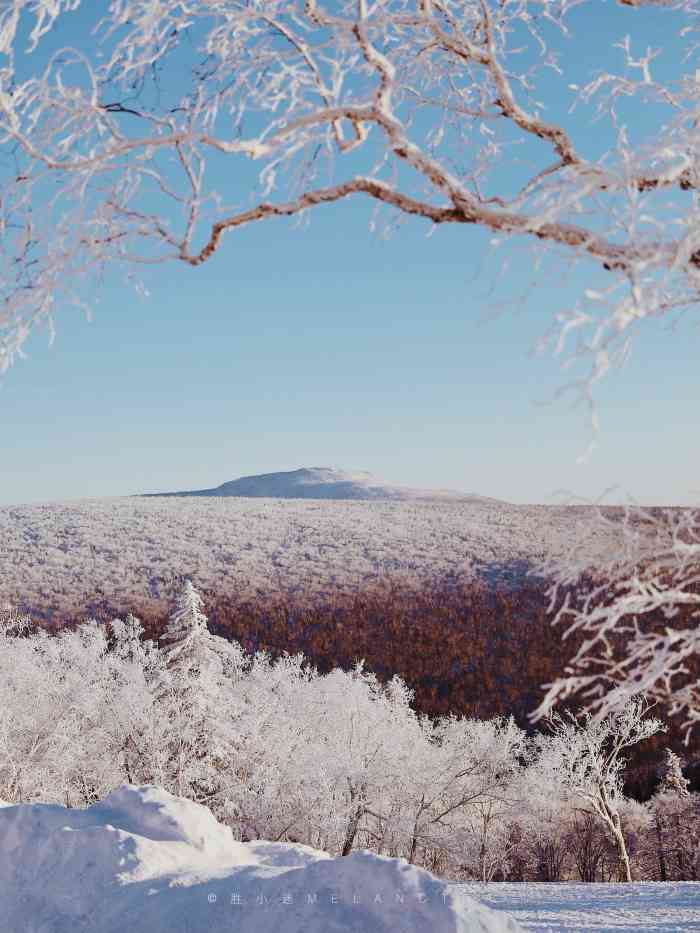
[(332, 346)]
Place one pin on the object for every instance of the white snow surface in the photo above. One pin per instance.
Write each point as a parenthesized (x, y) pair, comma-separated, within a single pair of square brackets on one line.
[(645, 907), (145, 861)]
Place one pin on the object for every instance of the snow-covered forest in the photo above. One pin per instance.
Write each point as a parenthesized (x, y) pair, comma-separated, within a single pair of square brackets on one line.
[(65, 559), (339, 761)]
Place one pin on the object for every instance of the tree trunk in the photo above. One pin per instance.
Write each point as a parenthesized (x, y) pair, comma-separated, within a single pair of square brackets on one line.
[(663, 874), (414, 840), (414, 846), (624, 871), (683, 873), (351, 831), (482, 862), (612, 819)]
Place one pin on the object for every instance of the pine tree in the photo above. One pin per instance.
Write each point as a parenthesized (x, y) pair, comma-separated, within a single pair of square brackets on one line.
[(673, 822), (199, 669), (186, 641), (672, 780)]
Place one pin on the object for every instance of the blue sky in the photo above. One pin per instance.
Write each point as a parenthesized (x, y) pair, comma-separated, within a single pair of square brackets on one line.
[(279, 354)]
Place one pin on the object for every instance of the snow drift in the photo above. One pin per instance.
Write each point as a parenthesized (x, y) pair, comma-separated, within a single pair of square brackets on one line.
[(143, 860)]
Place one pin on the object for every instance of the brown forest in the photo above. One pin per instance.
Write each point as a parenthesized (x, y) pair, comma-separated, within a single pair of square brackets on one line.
[(479, 651)]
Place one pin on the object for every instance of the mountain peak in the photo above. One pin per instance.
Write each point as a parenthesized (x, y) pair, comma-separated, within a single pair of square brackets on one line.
[(320, 483)]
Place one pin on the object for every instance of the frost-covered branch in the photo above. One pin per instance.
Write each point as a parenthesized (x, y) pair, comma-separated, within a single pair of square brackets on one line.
[(113, 157), (635, 612)]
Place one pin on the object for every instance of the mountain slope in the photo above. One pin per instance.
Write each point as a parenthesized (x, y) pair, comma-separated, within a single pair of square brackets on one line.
[(319, 483)]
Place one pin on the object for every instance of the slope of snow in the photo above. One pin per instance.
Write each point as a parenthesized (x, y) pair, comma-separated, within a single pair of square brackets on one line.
[(319, 483), (144, 861), (643, 907)]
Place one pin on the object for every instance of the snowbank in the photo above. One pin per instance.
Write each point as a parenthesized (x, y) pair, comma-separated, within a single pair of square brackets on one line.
[(143, 860)]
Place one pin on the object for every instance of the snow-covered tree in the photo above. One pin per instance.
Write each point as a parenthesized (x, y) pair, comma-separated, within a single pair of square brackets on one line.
[(13, 622), (140, 729), (195, 696), (672, 780), (675, 825), (73, 715), (322, 759), (475, 791), (591, 764), (275, 786), (189, 648), (544, 815)]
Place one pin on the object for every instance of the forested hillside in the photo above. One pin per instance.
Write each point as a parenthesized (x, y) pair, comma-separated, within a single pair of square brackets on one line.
[(101, 557), (472, 650)]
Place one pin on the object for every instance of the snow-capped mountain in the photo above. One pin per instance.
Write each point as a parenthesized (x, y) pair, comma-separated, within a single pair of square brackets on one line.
[(320, 483)]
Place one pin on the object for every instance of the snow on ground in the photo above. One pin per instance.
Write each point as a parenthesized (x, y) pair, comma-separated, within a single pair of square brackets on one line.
[(131, 553), (673, 907), (144, 861)]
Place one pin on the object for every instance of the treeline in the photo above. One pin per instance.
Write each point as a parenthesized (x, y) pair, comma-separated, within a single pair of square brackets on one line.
[(472, 650)]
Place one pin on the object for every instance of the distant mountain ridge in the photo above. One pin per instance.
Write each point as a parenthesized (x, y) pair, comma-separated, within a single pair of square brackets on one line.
[(321, 483)]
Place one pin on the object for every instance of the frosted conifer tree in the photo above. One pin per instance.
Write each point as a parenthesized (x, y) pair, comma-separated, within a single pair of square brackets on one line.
[(191, 651), (195, 690), (673, 781), (186, 635), (676, 825)]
